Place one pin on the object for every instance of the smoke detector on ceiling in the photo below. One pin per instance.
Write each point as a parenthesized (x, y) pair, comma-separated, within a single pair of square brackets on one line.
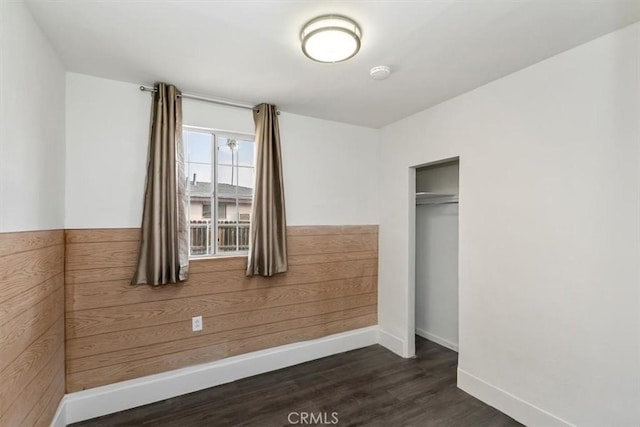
[(380, 72)]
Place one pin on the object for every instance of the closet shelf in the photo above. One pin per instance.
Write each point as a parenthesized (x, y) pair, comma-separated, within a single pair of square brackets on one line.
[(427, 198)]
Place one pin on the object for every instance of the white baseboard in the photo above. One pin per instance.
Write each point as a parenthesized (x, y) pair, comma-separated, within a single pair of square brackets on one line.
[(393, 343), (87, 404), (521, 410), (436, 339), (60, 417)]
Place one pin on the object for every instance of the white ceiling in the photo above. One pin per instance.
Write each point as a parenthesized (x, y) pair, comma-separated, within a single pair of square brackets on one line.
[(249, 51)]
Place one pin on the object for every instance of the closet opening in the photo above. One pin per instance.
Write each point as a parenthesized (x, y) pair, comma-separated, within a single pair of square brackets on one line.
[(436, 254)]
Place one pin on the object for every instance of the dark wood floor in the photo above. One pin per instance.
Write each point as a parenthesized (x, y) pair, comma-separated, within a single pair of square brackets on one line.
[(366, 387)]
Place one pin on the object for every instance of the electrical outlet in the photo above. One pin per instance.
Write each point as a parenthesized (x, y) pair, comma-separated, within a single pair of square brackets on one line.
[(196, 323)]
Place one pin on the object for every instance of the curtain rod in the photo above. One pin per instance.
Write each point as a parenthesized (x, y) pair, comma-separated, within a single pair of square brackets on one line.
[(211, 100)]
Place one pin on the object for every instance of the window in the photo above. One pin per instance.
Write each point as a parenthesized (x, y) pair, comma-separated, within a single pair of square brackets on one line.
[(206, 210), (222, 211), (219, 169)]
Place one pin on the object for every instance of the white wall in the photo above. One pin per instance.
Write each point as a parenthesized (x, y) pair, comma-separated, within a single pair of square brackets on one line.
[(327, 165), (31, 125), (549, 232), (107, 134), (328, 171)]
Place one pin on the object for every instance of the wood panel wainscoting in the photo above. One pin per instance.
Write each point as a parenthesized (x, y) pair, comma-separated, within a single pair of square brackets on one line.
[(116, 332), (31, 327)]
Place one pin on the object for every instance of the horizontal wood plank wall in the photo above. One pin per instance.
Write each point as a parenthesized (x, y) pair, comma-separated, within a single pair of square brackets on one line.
[(31, 327), (116, 332)]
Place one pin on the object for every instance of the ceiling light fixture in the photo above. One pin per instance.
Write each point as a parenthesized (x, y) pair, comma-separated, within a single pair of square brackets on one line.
[(330, 38)]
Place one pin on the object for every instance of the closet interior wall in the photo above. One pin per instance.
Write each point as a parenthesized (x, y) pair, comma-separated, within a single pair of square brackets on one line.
[(437, 253)]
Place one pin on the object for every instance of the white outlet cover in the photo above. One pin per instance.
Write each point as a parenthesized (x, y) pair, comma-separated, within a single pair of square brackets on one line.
[(196, 323)]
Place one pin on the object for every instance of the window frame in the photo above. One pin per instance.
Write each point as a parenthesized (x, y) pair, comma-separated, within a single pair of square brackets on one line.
[(214, 196)]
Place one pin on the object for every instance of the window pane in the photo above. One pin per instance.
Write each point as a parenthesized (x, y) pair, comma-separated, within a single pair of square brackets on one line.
[(229, 236), (201, 237), (225, 154), (232, 198), (206, 210), (233, 211), (185, 145), (199, 173), (244, 210), (200, 147), (227, 175), (245, 153), (245, 180), (222, 211), (199, 208)]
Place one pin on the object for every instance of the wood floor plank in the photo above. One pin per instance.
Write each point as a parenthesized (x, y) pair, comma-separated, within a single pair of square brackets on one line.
[(13, 243), (22, 271), (121, 292), (111, 319), (132, 369), (122, 340)]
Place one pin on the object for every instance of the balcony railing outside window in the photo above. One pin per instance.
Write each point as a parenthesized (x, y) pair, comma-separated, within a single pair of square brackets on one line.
[(232, 237)]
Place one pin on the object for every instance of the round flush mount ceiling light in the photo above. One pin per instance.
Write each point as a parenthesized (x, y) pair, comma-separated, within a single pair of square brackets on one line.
[(330, 38)]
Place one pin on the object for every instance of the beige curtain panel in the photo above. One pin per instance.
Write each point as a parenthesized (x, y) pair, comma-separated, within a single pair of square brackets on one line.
[(164, 252), (268, 229)]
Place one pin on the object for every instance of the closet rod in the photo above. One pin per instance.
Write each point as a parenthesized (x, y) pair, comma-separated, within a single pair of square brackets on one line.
[(451, 202), (205, 99)]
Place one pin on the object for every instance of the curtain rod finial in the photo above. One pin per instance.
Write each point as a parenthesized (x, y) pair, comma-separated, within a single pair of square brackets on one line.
[(142, 88)]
